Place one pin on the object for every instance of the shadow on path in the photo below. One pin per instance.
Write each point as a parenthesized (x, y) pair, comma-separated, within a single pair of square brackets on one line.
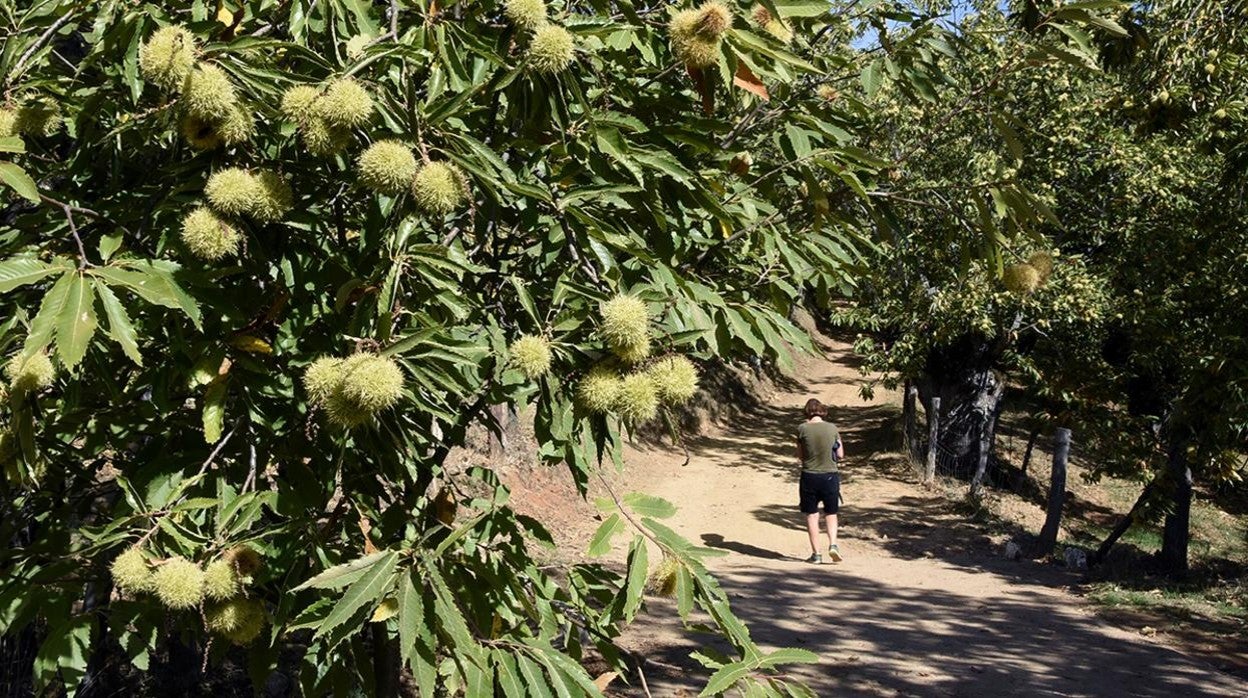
[(876, 639), (714, 540)]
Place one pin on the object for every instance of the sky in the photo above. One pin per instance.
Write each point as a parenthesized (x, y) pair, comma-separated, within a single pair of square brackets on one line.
[(960, 9)]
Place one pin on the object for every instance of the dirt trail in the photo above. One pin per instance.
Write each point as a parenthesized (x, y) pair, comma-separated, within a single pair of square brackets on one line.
[(923, 604)]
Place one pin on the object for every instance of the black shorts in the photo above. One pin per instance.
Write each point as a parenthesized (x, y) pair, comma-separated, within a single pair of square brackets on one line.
[(820, 487)]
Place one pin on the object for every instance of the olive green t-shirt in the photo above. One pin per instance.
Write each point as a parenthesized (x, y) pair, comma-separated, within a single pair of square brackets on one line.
[(818, 440)]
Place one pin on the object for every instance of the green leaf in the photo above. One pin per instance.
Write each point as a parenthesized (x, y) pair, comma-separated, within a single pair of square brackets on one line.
[(1010, 136), (789, 655), (685, 588), (162, 270), (20, 271), (648, 505), (663, 162), (214, 410), (19, 181), (64, 653), (638, 571), (76, 323), (743, 331), (150, 283), (799, 139), (1113, 28), (727, 677), (416, 642), (509, 677), (1076, 59), (457, 534), (612, 143), (757, 45), (109, 244), (563, 668), (1118, 5), (150, 290), (119, 326), (450, 618), (244, 511), (601, 542), (803, 8), (12, 144), (534, 680), (526, 301), (479, 680), (43, 327), (339, 576), (873, 77), (366, 591)]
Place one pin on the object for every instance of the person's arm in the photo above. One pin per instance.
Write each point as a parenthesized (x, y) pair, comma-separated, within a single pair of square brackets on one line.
[(840, 450), (801, 452)]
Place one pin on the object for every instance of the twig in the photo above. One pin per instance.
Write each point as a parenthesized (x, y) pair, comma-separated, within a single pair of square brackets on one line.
[(216, 451), (660, 75), (250, 483), (830, 25), (733, 238), (571, 243), (452, 236), (73, 229), (34, 48), (202, 469), (641, 674), (420, 143), (620, 505), (740, 127), (85, 211)]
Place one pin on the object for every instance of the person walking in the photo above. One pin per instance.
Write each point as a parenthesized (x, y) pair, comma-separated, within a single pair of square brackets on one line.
[(819, 448)]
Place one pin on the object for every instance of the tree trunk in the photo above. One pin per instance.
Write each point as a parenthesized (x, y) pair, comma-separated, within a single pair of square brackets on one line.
[(102, 677), (1102, 551), (386, 663), (1057, 494), (909, 420), (1176, 533), (971, 392), (987, 437), (181, 671), (1031, 444)]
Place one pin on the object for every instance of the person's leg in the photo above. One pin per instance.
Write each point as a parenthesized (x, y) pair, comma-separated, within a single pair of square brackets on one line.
[(812, 529), (831, 524), (831, 507)]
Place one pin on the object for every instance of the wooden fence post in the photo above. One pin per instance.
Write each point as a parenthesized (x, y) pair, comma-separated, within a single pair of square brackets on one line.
[(933, 429), (1057, 494), (910, 420)]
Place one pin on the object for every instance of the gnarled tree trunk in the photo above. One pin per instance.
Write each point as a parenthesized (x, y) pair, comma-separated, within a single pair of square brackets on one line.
[(963, 376)]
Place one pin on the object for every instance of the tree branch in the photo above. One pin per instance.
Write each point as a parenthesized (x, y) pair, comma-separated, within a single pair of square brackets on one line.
[(216, 451), (73, 228), (34, 48), (85, 211)]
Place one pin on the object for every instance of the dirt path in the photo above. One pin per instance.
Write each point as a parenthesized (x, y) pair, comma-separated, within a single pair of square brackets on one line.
[(923, 604)]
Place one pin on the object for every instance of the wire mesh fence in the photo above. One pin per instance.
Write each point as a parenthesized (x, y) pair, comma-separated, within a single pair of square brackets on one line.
[(17, 661), (927, 453)]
